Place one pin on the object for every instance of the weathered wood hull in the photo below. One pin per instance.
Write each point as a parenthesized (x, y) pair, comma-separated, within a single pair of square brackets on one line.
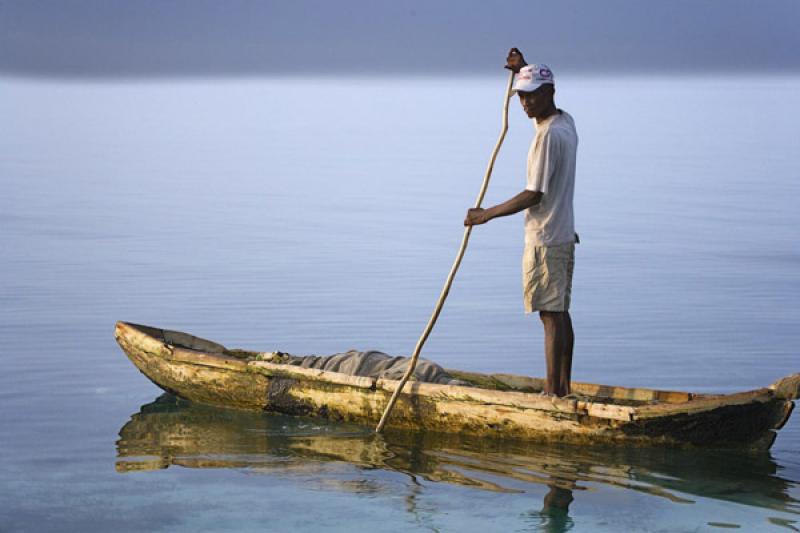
[(201, 371)]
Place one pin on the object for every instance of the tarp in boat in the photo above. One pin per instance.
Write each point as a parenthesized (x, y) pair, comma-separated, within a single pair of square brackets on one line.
[(375, 364)]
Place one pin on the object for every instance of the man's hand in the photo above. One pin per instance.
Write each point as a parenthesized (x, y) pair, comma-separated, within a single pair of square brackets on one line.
[(523, 200), (515, 61), (476, 216)]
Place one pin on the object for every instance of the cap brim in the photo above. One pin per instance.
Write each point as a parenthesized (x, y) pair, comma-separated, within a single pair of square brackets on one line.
[(529, 87)]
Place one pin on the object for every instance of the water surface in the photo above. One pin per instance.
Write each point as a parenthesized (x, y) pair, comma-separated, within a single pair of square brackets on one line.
[(308, 218)]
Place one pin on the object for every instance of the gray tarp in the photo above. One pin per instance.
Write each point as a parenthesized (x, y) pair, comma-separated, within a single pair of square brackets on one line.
[(375, 364)]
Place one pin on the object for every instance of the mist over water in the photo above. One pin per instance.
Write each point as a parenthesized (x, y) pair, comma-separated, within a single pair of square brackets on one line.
[(314, 216)]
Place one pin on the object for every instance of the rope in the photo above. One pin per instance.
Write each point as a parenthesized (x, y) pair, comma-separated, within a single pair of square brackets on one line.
[(456, 264)]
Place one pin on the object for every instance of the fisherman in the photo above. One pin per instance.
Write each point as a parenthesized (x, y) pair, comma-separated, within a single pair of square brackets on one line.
[(550, 237)]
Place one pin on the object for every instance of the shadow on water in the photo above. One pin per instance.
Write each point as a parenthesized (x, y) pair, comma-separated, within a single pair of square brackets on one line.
[(171, 431)]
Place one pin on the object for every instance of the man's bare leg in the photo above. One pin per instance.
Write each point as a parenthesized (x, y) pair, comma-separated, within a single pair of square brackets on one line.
[(555, 344), (566, 359)]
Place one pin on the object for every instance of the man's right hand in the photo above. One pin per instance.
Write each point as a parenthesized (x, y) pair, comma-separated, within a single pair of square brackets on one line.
[(475, 217), (515, 61)]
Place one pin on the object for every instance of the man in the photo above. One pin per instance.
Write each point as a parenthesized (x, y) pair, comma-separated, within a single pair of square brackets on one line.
[(549, 223)]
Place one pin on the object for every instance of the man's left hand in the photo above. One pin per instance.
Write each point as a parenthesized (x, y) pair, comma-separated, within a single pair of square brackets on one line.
[(476, 216)]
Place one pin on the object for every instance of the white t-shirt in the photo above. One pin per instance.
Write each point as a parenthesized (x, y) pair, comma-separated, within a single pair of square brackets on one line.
[(551, 171)]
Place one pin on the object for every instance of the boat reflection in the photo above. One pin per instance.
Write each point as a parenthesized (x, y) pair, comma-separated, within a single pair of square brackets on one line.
[(171, 431)]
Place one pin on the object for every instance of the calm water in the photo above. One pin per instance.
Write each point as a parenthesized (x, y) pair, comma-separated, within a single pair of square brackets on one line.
[(317, 217)]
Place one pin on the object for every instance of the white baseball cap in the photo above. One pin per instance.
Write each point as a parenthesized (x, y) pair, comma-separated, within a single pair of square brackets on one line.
[(531, 77)]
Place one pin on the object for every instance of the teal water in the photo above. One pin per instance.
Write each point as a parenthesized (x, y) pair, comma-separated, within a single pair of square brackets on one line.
[(281, 215)]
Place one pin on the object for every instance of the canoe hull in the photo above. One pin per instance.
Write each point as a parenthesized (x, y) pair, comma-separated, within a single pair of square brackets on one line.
[(748, 423)]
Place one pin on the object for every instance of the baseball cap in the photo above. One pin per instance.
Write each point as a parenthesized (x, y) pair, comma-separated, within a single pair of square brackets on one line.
[(531, 77)]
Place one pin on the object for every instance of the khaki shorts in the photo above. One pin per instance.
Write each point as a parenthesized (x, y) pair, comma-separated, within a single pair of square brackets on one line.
[(547, 277)]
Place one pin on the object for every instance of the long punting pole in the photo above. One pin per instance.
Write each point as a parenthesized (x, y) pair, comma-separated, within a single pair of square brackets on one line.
[(456, 263)]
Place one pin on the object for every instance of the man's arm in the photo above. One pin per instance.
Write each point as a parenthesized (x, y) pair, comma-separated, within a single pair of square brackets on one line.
[(520, 202), (514, 62)]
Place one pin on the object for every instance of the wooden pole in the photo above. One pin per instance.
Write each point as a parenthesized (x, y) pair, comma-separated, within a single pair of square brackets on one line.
[(456, 263)]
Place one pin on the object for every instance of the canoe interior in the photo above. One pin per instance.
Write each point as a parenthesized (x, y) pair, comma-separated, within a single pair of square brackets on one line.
[(501, 382)]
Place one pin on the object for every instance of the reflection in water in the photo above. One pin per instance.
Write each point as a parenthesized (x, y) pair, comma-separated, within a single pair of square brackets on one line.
[(171, 431), (556, 509)]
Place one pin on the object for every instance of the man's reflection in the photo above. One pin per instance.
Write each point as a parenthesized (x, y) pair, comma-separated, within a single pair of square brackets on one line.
[(555, 511)]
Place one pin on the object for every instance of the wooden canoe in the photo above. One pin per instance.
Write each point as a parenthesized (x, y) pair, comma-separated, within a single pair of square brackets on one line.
[(498, 405)]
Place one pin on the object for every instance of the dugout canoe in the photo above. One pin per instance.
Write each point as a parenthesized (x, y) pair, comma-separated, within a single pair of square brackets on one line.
[(495, 405)]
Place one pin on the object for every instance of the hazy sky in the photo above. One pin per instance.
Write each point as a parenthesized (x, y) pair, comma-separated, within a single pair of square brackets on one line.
[(238, 37)]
